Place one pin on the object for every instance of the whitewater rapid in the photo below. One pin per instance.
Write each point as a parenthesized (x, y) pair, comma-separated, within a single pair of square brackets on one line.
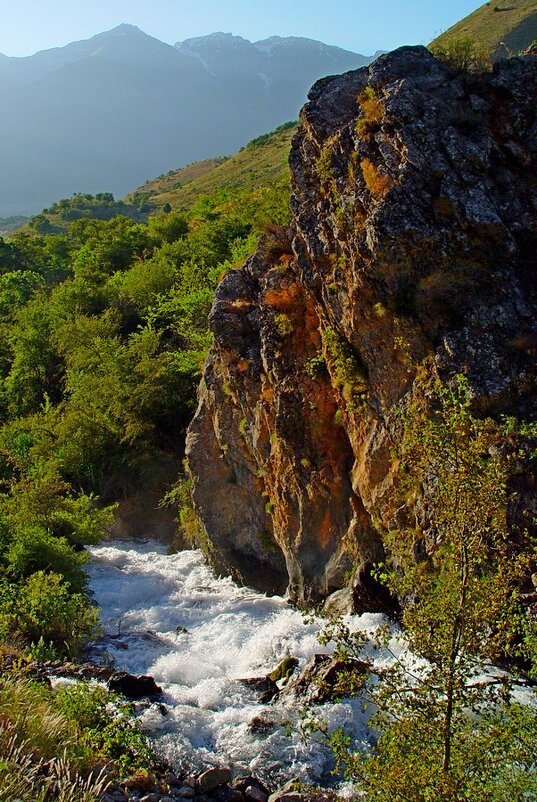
[(197, 634)]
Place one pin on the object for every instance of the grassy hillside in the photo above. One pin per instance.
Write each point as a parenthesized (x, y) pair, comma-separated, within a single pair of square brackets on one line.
[(513, 22), (263, 162)]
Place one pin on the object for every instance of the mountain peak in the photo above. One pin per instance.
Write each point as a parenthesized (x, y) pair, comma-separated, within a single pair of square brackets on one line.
[(210, 40), (126, 29)]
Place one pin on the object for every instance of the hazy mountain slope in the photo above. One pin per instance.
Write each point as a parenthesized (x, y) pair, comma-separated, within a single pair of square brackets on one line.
[(512, 22), (107, 113), (262, 162)]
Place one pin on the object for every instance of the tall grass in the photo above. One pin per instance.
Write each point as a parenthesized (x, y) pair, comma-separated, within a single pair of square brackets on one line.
[(41, 758)]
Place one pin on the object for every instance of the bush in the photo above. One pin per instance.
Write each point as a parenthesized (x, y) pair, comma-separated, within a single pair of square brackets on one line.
[(70, 729), (449, 724), (34, 549), (463, 54), (372, 112), (43, 607), (107, 725)]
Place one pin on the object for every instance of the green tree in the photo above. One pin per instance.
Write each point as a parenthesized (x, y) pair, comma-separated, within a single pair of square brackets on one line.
[(449, 726)]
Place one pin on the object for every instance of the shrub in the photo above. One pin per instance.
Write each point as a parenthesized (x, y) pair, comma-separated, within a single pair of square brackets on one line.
[(50, 740), (190, 529), (34, 549), (316, 366), (449, 725), (107, 726), (283, 323), (348, 374), (463, 54), (44, 607)]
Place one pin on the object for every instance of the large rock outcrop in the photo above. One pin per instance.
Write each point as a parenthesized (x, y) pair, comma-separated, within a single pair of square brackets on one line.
[(413, 248)]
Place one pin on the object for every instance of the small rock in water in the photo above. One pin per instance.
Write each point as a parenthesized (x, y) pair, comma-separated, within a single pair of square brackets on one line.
[(341, 602), (318, 681), (260, 725), (288, 792), (265, 686), (255, 794), (212, 779), (186, 792), (151, 798), (284, 670)]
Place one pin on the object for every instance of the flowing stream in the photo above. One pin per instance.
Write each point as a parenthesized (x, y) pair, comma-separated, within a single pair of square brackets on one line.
[(169, 616)]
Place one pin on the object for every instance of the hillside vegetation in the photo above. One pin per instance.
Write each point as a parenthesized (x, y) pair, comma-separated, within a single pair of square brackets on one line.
[(258, 165), (103, 315), (511, 22)]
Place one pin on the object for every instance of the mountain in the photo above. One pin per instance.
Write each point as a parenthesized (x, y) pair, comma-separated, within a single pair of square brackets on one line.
[(105, 113), (499, 28)]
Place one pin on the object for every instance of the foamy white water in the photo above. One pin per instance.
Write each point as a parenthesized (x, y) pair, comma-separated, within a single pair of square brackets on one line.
[(232, 632)]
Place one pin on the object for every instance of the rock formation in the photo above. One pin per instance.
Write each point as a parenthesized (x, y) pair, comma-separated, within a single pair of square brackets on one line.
[(413, 248)]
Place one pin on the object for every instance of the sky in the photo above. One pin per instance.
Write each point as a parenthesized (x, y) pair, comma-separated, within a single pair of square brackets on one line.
[(362, 26)]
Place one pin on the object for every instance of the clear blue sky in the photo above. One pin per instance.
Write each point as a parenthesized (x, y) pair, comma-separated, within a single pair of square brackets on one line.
[(360, 25)]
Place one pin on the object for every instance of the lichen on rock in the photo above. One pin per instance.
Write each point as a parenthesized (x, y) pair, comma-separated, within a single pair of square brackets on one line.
[(412, 251)]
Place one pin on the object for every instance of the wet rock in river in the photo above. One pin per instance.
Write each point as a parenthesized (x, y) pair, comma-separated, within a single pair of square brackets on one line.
[(324, 678), (264, 686), (132, 686), (261, 725)]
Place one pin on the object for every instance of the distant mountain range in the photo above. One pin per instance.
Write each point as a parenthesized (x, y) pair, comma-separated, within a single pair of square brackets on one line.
[(109, 112)]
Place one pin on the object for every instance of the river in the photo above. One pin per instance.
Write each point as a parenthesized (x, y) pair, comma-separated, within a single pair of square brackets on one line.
[(197, 634)]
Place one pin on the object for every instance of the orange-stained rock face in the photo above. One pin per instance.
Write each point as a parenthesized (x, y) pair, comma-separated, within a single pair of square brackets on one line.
[(414, 244)]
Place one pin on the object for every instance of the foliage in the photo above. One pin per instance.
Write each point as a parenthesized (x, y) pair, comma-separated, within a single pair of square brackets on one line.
[(348, 374), (101, 206), (449, 725), (265, 138), (191, 530), (106, 724), (43, 608), (70, 729), (104, 322), (463, 54), (372, 112)]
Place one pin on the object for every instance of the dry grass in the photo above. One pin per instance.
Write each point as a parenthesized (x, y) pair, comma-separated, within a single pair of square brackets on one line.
[(377, 183), (372, 113)]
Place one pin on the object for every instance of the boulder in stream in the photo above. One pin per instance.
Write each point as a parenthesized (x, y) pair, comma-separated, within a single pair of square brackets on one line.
[(325, 678), (264, 686), (132, 686)]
